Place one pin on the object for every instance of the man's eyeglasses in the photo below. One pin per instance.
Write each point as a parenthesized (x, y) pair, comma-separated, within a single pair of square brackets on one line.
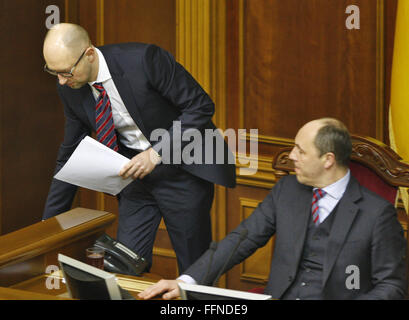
[(65, 74)]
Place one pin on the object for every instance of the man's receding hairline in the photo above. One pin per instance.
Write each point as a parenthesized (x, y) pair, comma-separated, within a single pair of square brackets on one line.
[(73, 37), (332, 122)]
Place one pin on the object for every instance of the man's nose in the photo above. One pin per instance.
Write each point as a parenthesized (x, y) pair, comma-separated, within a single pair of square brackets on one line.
[(292, 154)]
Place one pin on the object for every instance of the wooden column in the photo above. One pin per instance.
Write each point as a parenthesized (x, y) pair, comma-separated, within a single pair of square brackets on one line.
[(201, 49)]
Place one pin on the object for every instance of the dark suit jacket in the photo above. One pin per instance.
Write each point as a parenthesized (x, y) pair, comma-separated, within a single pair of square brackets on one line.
[(156, 90), (365, 233)]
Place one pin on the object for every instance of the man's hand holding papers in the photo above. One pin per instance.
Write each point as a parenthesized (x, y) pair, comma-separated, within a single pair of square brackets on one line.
[(95, 166), (140, 165)]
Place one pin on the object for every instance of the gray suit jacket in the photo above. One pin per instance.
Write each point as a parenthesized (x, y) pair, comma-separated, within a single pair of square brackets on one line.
[(365, 233)]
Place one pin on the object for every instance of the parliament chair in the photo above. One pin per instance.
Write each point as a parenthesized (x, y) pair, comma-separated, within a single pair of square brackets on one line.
[(375, 165)]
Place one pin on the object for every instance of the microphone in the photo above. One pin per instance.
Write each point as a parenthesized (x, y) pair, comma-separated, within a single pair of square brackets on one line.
[(243, 235), (213, 248)]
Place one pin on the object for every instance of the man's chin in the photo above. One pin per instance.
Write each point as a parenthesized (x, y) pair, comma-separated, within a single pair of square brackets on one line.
[(300, 178), (305, 181)]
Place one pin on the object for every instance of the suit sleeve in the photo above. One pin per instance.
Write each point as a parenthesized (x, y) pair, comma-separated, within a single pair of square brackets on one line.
[(61, 194), (174, 83), (261, 226), (388, 250)]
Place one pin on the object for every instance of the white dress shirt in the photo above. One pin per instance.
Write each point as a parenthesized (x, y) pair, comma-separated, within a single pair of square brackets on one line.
[(129, 133)]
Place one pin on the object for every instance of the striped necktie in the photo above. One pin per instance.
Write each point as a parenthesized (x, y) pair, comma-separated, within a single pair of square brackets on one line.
[(103, 118), (317, 195)]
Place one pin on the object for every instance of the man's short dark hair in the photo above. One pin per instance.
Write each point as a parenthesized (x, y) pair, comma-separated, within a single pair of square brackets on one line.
[(334, 137)]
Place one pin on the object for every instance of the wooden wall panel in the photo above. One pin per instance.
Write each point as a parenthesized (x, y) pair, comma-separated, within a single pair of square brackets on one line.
[(257, 267), (31, 121), (254, 271), (142, 21), (304, 64), (390, 18), (84, 13)]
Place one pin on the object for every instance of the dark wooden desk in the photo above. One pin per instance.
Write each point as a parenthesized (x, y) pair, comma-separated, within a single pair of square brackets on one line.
[(38, 286), (28, 257), (26, 253)]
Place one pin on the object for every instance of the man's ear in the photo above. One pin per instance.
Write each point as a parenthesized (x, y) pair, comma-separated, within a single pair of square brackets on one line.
[(329, 160), (91, 54)]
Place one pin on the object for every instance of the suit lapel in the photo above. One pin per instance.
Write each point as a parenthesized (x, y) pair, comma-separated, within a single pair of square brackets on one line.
[(88, 103), (346, 213), (301, 216), (124, 89)]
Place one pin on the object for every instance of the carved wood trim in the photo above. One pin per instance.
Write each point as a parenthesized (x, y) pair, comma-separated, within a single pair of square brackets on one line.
[(263, 178)]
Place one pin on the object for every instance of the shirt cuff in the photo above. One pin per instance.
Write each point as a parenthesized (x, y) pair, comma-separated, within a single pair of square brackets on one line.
[(187, 279)]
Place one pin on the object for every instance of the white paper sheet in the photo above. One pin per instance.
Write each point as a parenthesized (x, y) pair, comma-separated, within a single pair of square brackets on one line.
[(95, 166)]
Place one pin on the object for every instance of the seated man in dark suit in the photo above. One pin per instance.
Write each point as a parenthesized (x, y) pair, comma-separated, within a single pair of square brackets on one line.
[(326, 225)]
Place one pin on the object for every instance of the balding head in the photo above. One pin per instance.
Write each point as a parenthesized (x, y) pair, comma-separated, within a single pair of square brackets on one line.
[(66, 38), (63, 47)]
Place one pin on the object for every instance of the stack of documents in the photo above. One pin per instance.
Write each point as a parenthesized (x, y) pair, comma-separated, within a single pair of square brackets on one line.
[(95, 166)]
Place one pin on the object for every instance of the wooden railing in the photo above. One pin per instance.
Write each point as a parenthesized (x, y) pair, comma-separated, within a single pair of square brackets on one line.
[(26, 253)]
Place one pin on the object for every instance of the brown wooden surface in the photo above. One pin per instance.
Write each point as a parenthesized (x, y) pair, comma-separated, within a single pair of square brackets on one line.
[(27, 252), (300, 62), (31, 121), (390, 19), (36, 287), (254, 271), (142, 21), (15, 294)]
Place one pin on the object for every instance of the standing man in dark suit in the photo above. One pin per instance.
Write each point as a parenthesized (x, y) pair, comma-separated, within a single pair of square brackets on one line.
[(126, 93), (335, 239)]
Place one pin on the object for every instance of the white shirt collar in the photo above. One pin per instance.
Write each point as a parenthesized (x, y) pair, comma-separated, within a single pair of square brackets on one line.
[(337, 189), (103, 71)]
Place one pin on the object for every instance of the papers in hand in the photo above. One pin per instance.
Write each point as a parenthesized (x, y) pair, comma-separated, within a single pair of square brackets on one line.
[(95, 166)]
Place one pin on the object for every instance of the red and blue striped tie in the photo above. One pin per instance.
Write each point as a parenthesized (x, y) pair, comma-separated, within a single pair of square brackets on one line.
[(317, 195), (103, 117)]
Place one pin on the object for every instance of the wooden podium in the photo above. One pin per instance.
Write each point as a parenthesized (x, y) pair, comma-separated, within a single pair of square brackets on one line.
[(28, 257)]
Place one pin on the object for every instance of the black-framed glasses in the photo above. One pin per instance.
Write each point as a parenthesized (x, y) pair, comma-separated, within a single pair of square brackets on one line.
[(65, 74)]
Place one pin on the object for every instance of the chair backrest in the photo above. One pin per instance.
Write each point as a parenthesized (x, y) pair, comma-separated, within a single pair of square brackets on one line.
[(375, 165)]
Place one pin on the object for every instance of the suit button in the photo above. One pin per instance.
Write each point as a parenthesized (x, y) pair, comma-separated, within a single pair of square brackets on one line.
[(303, 284), (290, 278)]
